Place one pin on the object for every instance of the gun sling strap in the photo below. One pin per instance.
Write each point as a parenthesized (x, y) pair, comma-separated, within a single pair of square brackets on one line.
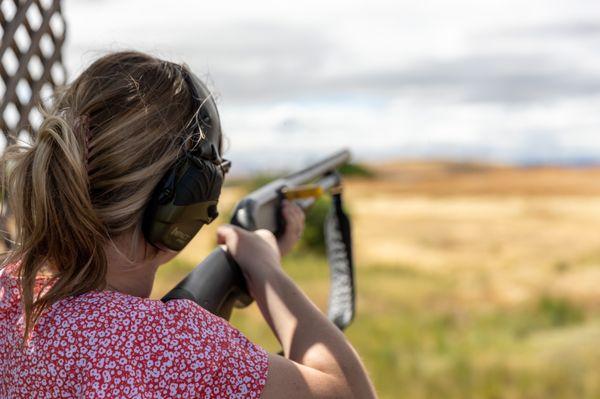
[(338, 242)]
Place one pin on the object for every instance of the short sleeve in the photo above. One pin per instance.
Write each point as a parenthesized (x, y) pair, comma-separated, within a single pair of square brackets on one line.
[(218, 360)]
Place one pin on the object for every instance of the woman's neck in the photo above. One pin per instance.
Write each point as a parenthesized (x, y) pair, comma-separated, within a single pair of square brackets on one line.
[(132, 273), (132, 279)]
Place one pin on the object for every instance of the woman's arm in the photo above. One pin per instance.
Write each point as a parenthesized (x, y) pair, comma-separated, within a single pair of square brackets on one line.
[(319, 354), (319, 362)]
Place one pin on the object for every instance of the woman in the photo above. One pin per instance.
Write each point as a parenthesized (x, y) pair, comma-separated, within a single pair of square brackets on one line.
[(75, 318)]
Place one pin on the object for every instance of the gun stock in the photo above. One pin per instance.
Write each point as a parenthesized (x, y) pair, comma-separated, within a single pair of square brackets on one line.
[(216, 284)]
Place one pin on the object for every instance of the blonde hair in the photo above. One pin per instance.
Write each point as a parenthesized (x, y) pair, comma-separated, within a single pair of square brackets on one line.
[(90, 172)]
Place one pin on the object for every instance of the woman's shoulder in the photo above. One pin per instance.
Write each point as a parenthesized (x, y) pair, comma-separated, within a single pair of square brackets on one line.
[(104, 308), (99, 309), (100, 314), (176, 342), (177, 348)]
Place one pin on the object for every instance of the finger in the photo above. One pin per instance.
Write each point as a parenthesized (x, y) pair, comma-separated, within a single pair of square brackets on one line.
[(265, 234), (291, 225), (302, 214), (228, 235), (268, 237), (292, 218), (291, 205), (295, 222), (296, 209), (292, 211), (298, 216), (285, 209)]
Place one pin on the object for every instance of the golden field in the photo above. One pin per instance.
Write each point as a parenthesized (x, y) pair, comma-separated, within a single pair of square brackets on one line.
[(473, 281)]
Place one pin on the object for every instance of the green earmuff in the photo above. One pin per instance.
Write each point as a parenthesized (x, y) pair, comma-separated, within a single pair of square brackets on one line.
[(186, 198)]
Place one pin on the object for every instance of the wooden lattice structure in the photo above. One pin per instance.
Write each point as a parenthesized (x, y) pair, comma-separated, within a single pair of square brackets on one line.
[(33, 33)]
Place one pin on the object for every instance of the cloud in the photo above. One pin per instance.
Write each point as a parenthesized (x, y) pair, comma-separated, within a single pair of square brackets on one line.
[(501, 78), (267, 57), (492, 79), (578, 29)]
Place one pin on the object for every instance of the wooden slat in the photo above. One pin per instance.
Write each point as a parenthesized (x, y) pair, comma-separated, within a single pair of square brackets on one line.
[(11, 80)]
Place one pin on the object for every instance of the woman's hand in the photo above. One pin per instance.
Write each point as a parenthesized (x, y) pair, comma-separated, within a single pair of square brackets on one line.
[(257, 253), (294, 226)]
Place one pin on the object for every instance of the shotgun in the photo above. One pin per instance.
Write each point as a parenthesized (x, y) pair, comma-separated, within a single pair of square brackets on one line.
[(217, 283)]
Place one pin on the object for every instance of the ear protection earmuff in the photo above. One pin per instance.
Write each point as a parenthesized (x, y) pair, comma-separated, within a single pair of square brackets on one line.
[(186, 197)]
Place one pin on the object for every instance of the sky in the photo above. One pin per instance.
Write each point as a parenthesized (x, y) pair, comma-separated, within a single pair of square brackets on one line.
[(499, 81)]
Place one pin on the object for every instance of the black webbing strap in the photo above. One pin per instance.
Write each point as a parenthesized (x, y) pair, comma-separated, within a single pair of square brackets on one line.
[(338, 242)]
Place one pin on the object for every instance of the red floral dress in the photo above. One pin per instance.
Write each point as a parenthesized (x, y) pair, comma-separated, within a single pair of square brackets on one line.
[(105, 344)]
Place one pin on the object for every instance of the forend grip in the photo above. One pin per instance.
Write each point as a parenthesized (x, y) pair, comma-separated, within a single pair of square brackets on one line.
[(216, 284)]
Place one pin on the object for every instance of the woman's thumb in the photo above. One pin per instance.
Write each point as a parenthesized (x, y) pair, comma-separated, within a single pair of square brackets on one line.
[(227, 235)]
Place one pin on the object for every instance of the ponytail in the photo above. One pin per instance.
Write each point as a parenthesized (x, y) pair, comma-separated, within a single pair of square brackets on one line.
[(58, 231), (96, 159)]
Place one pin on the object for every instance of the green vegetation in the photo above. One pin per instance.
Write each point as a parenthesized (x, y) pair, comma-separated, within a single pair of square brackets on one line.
[(418, 341), (251, 183), (491, 292), (313, 238), (356, 170)]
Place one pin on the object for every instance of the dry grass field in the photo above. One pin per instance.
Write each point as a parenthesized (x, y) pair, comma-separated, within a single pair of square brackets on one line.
[(474, 281)]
